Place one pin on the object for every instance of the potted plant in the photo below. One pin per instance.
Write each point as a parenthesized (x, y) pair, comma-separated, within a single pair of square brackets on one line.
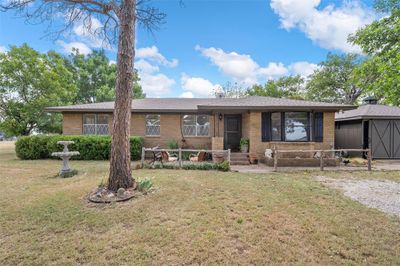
[(244, 145)]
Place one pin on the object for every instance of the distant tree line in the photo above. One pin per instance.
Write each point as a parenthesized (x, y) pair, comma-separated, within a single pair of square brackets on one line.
[(31, 81)]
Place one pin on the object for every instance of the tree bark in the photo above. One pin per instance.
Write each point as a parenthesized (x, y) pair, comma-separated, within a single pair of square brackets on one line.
[(120, 160)]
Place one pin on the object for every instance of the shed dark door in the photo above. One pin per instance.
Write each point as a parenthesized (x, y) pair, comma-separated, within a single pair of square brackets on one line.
[(233, 132), (396, 139), (382, 139)]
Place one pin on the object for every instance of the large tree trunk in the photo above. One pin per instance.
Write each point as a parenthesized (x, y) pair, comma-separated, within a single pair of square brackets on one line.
[(120, 161)]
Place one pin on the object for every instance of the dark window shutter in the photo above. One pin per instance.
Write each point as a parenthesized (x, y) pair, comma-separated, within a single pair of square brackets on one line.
[(265, 127), (318, 127)]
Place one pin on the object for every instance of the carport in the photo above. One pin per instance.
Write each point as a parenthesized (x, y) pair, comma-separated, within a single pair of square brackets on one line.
[(371, 126)]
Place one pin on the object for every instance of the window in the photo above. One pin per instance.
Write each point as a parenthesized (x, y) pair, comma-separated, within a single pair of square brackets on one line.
[(152, 125), (297, 126), (196, 125), (276, 126), (292, 126), (95, 124)]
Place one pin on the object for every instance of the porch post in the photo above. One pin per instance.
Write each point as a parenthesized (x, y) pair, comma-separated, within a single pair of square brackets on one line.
[(143, 155), (369, 160)]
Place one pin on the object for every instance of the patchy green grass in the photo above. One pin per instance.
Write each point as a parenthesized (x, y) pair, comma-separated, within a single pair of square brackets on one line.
[(194, 217)]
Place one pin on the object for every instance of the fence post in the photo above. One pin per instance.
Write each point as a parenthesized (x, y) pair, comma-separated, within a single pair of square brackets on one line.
[(321, 161), (229, 156), (143, 155), (275, 160), (369, 160), (180, 157)]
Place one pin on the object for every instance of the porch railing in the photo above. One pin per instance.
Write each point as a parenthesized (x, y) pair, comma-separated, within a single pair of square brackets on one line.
[(180, 151), (276, 153)]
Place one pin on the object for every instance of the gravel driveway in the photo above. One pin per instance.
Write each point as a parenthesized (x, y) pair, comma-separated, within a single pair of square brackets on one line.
[(382, 195)]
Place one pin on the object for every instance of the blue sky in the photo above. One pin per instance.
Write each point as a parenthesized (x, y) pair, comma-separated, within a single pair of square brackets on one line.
[(204, 44)]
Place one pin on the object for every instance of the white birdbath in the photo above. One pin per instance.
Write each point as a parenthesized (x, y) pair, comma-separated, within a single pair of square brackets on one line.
[(65, 155)]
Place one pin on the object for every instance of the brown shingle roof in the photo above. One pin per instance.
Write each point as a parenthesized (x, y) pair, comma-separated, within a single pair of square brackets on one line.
[(206, 104), (369, 111)]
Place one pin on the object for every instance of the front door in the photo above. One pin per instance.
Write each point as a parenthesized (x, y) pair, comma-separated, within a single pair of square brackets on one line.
[(233, 132)]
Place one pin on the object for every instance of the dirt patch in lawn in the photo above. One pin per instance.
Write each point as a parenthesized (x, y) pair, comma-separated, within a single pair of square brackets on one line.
[(383, 195)]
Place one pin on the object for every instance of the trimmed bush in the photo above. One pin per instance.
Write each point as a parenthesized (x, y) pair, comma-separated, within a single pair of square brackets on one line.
[(89, 147), (224, 166)]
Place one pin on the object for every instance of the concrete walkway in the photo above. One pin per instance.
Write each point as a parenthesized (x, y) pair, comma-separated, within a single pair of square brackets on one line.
[(378, 165)]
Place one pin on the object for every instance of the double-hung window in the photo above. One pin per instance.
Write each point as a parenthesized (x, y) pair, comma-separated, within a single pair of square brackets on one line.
[(95, 124), (152, 125), (196, 125)]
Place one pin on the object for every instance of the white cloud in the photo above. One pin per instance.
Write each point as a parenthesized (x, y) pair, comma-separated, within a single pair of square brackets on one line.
[(3, 49), (90, 31), (67, 47), (152, 53), (112, 62), (155, 84), (274, 69), (146, 67), (187, 94), (303, 68), (241, 67), (197, 86), (328, 27)]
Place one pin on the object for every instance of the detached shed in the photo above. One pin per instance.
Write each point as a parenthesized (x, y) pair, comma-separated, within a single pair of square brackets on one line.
[(370, 126)]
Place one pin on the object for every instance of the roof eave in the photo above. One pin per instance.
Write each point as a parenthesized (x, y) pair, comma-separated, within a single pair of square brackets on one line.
[(278, 108), (364, 117)]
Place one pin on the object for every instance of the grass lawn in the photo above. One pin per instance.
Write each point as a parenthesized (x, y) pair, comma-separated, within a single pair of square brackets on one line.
[(194, 217)]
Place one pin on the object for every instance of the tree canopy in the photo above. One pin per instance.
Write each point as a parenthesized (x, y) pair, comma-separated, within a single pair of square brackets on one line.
[(284, 87), (380, 42), (335, 80), (95, 77), (29, 82)]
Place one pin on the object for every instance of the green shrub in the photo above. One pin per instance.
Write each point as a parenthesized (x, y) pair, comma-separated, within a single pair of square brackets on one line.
[(89, 147), (172, 144), (224, 166), (32, 148), (145, 185), (244, 141)]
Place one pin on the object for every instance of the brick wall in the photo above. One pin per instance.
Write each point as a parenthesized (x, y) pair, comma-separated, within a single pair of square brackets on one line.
[(258, 147), (170, 129), (72, 124)]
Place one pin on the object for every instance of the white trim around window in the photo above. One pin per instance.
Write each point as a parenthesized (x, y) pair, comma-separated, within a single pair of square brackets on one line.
[(152, 125), (95, 124), (196, 125)]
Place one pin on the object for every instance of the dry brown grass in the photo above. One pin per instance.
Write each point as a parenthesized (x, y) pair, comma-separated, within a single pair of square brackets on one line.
[(193, 217)]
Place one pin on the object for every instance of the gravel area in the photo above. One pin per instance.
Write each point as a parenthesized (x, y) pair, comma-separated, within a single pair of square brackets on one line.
[(382, 195)]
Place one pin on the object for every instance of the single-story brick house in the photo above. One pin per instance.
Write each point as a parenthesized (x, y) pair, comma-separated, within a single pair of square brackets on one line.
[(216, 123)]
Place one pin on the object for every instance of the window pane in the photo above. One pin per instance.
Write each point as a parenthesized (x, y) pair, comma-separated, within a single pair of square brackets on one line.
[(89, 119), (102, 119), (152, 120), (152, 125), (276, 126), (189, 125), (296, 126), (189, 120), (203, 125)]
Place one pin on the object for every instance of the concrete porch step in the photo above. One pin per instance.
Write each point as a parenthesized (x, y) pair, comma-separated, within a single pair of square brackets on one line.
[(238, 158)]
